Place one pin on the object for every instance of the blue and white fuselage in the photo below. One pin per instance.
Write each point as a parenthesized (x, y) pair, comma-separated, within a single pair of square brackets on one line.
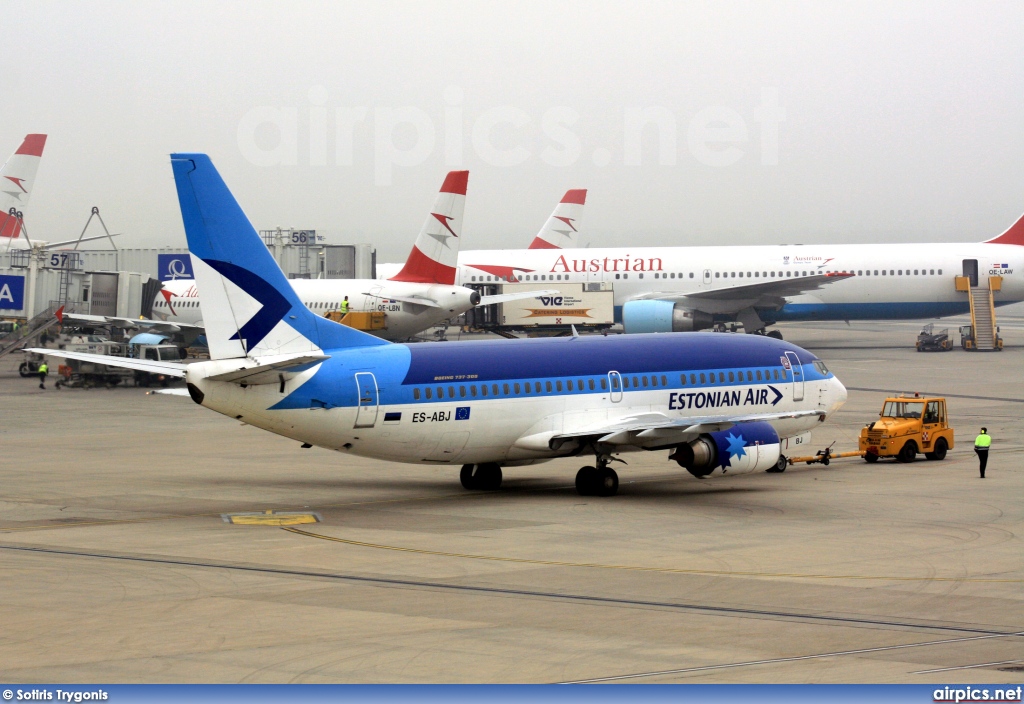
[(505, 401)]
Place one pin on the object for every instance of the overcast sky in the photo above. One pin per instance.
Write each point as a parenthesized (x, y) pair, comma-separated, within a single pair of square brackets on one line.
[(792, 122)]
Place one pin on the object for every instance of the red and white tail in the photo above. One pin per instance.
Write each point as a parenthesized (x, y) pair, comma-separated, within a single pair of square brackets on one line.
[(1015, 235), (561, 229), (16, 179), (436, 250)]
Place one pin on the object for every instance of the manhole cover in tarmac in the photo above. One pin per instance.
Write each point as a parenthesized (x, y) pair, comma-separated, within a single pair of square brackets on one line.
[(271, 518)]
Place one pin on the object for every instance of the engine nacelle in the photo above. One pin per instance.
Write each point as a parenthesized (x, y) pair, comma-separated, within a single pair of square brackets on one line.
[(743, 448), (663, 316)]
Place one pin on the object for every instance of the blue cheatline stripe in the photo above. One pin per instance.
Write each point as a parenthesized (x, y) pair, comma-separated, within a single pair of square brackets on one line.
[(869, 311), (916, 310)]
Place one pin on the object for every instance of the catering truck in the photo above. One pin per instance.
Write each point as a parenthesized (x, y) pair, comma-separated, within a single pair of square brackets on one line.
[(587, 306)]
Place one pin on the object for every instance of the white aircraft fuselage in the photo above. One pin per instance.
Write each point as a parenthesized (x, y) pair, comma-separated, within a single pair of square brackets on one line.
[(890, 281), (179, 302)]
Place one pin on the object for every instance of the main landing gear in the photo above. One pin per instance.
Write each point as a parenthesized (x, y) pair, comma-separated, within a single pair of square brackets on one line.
[(597, 481), (481, 477)]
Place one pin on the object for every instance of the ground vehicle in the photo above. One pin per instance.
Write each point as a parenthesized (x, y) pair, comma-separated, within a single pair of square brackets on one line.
[(30, 366), (360, 320), (906, 426), (968, 341), (81, 374), (156, 353), (930, 341)]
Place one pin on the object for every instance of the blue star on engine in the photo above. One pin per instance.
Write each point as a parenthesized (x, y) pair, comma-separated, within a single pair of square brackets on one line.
[(737, 447)]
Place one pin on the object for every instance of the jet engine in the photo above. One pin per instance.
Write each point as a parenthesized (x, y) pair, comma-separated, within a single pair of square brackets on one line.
[(663, 316), (743, 448)]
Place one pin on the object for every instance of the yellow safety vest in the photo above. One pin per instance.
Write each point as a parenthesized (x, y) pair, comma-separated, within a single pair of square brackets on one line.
[(43, 368), (983, 441), (344, 306)]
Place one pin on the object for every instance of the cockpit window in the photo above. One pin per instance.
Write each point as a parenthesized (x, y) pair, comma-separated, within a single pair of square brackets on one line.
[(820, 366), (903, 409)]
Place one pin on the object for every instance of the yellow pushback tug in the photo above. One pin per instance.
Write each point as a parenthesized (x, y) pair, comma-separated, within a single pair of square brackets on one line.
[(906, 426)]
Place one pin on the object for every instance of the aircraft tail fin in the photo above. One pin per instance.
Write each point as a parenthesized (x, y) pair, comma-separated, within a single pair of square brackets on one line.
[(1014, 235), (17, 176), (562, 228), (435, 253), (249, 308)]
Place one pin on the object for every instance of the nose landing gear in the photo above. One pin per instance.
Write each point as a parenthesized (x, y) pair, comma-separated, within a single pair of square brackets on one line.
[(597, 481)]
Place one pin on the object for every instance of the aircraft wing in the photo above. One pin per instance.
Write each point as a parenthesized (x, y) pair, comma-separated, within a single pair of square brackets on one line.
[(517, 296), (763, 293), (175, 369), (646, 429), (157, 326), (270, 370)]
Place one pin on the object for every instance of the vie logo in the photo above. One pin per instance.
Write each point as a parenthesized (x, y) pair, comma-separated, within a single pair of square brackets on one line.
[(551, 300)]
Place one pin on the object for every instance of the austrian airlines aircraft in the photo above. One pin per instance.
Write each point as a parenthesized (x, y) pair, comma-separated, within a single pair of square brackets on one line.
[(17, 177), (716, 404), (560, 230), (691, 288), (416, 298)]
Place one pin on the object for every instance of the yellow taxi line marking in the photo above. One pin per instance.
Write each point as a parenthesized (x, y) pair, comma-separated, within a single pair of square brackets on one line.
[(639, 568)]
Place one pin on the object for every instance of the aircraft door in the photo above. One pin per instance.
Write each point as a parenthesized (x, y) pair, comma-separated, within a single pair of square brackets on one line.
[(614, 387), (798, 376), (971, 270), (366, 410), (707, 276)]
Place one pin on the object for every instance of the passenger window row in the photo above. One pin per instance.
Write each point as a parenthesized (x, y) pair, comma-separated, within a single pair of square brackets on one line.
[(893, 272), (634, 381)]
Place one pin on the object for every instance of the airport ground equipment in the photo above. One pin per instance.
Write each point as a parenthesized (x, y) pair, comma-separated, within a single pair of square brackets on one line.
[(969, 342), (28, 331), (906, 426), (365, 320), (86, 374), (557, 307), (930, 341), (824, 456), (982, 335)]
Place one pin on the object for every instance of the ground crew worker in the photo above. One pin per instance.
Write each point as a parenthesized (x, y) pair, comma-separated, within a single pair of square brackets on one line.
[(981, 445), (344, 306), (15, 330), (43, 370)]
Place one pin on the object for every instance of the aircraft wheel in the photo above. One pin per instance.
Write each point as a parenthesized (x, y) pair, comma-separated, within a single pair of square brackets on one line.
[(23, 371), (490, 476), (468, 477), (780, 465), (908, 452), (870, 457), (607, 482), (586, 481), (776, 334), (941, 447)]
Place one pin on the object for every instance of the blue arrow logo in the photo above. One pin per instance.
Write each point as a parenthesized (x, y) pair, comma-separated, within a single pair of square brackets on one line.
[(275, 305), (778, 395)]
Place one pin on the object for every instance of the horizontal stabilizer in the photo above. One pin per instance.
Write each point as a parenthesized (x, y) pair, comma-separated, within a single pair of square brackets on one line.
[(175, 369), (270, 370)]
